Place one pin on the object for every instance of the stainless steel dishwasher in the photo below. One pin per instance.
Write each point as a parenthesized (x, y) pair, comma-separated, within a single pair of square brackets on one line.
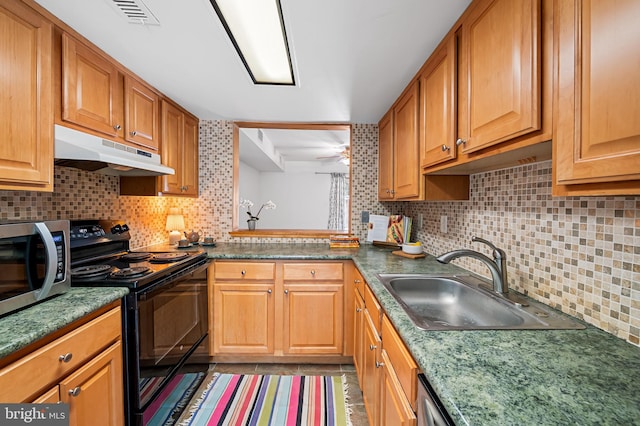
[(430, 409)]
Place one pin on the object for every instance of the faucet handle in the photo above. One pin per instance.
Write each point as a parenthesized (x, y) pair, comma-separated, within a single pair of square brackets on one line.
[(497, 253)]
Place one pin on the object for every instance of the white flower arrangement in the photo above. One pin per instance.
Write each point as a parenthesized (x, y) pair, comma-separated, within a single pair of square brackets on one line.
[(269, 205)]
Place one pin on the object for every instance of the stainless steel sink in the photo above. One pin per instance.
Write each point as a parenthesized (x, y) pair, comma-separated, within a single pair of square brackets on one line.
[(463, 302)]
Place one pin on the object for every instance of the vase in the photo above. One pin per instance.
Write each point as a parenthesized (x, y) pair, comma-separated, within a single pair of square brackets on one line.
[(251, 224)]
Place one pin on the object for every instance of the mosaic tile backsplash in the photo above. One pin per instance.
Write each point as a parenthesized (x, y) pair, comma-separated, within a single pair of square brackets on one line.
[(581, 255)]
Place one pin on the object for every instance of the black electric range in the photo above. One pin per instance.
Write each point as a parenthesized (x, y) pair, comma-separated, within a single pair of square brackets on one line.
[(164, 316)]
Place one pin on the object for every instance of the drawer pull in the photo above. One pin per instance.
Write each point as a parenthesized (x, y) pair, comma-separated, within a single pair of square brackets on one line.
[(372, 347), (75, 391), (243, 272), (313, 272), (66, 357)]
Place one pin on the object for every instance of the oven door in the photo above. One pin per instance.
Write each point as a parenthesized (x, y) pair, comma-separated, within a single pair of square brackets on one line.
[(169, 332)]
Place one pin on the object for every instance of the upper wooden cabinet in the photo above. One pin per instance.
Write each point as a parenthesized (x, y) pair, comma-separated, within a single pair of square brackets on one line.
[(500, 91), (26, 99), (597, 97), (91, 90), (142, 111), (179, 150), (98, 95), (438, 99), (406, 144), (386, 190)]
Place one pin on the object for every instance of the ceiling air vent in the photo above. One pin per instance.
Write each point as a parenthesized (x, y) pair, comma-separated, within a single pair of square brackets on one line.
[(135, 11)]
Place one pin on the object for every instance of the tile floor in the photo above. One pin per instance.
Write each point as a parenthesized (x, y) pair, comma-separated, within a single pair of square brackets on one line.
[(358, 415)]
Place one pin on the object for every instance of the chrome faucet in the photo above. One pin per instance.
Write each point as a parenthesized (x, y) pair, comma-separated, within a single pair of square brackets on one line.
[(497, 266)]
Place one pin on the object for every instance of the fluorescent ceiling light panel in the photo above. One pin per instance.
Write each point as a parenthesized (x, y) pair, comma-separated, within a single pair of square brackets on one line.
[(257, 31)]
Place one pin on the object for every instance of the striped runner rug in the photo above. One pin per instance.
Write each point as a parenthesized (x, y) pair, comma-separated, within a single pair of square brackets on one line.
[(236, 399), (173, 399)]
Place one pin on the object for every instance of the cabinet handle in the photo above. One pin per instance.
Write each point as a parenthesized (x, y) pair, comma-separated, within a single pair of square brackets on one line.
[(460, 142), (269, 291), (286, 292), (393, 192), (445, 148), (75, 391), (379, 364), (243, 272), (358, 309), (133, 133), (66, 357), (313, 272), (117, 127), (372, 347)]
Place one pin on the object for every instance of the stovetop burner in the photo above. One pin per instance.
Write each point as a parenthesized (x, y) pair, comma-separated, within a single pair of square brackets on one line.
[(168, 257), (132, 272), (91, 271), (133, 256)]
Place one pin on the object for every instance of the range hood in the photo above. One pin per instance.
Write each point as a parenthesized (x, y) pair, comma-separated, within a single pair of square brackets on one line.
[(88, 152)]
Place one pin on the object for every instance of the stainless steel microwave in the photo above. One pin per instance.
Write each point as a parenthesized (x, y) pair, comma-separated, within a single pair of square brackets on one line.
[(34, 262)]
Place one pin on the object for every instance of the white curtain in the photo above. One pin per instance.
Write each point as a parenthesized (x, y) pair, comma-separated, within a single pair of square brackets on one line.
[(339, 202)]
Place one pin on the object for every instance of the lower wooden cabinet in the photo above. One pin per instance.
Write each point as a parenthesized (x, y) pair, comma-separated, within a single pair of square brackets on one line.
[(387, 374), (278, 308), (82, 368)]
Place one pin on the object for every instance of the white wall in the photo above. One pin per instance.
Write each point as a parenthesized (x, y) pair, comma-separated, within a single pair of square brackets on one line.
[(249, 190)]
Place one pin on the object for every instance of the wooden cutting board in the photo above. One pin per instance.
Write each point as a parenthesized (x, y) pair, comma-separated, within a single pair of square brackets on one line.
[(408, 255)]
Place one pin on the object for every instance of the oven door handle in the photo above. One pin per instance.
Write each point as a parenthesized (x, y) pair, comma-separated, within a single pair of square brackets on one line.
[(52, 260)]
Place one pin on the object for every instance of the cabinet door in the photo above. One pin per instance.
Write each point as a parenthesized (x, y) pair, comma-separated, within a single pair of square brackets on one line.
[(142, 109), (394, 407), (438, 107), (190, 163), (597, 102), (171, 153), (89, 89), (406, 143), (358, 345), (386, 190), (95, 391), (313, 318), (26, 99), (500, 72), (243, 318), (370, 371)]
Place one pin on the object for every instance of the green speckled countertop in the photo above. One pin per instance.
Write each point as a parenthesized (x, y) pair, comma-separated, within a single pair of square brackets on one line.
[(24, 327), (537, 377)]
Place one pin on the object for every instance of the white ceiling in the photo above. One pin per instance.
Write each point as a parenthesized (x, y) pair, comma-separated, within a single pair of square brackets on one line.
[(351, 58)]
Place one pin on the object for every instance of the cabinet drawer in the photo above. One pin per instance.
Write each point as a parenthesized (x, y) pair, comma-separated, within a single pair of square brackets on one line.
[(403, 364), (313, 271), (244, 271), (28, 376), (372, 305)]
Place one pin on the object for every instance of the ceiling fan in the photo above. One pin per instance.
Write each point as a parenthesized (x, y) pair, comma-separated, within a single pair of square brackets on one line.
[(343, 156)]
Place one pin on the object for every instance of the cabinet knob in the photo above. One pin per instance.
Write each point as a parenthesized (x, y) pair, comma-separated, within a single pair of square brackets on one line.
[(460, 142), (372, 347), (117, 127), (66, 357), (379, 364), (313, 272), (387, 191), (133, 133), (286, 292), (358, 309), (243, 272), (356, 281), (393, 192), (269, 291), (445, 148), (75, 391)]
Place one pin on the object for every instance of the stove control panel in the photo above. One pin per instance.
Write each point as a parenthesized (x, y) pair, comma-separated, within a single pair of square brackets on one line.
[(98, 230)]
